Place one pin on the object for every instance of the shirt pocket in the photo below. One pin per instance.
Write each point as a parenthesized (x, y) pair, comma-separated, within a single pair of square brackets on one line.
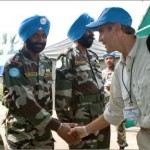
[(144, 84), (144, 79)]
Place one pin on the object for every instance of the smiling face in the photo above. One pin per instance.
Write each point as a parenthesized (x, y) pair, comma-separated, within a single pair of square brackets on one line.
[(108, 35), (37, 42)]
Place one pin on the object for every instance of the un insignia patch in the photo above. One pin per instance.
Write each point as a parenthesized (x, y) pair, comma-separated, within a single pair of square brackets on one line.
[(14, 72)]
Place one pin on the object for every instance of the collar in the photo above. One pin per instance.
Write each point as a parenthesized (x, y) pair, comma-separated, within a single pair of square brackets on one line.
[(133, 51)]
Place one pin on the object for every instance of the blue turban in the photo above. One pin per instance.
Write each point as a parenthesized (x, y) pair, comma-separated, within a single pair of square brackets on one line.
[(78, 28), (32, 24)]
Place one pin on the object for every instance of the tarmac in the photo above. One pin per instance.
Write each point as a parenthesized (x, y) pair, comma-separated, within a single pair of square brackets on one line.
[(60, 144)]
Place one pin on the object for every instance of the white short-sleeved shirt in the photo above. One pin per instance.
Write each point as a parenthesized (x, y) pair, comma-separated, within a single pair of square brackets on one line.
[(140, 85)]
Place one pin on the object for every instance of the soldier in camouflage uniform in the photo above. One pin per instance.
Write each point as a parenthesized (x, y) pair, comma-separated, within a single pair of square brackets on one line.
[(107, 74), (27, 93), (79, 87)]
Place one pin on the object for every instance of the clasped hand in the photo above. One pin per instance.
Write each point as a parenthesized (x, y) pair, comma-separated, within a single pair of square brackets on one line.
[(79, 131), (71, 133)]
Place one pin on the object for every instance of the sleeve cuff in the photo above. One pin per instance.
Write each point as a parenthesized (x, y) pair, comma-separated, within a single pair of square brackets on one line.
[(54, 124)]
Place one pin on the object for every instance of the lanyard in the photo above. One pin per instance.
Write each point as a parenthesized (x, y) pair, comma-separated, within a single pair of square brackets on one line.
[(129, 91)]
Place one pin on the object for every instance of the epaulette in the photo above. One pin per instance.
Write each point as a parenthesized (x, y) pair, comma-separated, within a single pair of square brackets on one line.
[(15, 59), (64, 57), (69, 50), (60, 56), (15, 62), (65, 53)]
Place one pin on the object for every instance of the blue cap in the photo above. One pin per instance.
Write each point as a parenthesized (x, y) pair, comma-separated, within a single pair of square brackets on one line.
[(32, 24), (111, 15), (78, 28), (109, 54)]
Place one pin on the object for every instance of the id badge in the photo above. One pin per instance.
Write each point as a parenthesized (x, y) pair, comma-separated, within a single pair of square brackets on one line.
[(131, 114)]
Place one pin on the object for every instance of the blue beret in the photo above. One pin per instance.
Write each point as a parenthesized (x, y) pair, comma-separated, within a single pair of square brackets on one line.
[(78, 28), (32, 24), (111, 15), (109, 54)]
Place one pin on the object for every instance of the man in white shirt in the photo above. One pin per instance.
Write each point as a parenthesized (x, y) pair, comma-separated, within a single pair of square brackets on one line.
[(130, 95)]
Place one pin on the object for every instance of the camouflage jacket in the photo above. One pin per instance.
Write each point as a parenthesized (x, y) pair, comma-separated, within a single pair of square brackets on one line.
[(107, 78), (79, 98), (27, 95)]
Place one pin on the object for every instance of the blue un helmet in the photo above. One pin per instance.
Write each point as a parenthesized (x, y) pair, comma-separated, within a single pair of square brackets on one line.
[(78, 28)]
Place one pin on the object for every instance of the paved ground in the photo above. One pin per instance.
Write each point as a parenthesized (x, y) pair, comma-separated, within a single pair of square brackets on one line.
[(60, 144)]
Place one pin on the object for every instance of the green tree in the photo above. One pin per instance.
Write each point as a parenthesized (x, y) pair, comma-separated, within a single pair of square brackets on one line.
[(3, 42), (8, 43), (13, 41)]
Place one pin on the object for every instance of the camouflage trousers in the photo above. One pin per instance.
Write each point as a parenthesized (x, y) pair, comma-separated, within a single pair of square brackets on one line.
[(99, 140), (121, 135), (30, 144)]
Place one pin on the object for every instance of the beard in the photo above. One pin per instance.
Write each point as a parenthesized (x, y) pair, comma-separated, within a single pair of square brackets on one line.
[(35, 47), (86, 41)]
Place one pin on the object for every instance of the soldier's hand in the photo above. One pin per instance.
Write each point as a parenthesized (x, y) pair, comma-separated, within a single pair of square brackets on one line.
[(79, 130), (72, 139)]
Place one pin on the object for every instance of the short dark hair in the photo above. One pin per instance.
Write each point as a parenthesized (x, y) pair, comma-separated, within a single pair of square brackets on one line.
[(125, 29)]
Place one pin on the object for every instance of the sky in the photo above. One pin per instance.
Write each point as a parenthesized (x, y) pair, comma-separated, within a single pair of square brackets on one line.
[(62, 14)]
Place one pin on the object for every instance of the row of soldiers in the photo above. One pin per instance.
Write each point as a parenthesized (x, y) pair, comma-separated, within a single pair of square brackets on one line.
[(80, 92)]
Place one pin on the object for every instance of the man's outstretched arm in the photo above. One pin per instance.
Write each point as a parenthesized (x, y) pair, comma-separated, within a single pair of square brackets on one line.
[(83, 131)]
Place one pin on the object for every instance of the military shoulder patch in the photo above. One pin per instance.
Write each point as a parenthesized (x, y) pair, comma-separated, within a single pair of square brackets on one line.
[(14, 72)]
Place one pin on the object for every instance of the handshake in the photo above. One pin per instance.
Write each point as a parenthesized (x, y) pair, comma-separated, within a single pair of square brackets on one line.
[(72, 133)]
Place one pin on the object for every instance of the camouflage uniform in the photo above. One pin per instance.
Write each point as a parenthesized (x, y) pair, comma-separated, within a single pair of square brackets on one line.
[(107, 77), (78, 98), (27, 95), (121, 131)]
